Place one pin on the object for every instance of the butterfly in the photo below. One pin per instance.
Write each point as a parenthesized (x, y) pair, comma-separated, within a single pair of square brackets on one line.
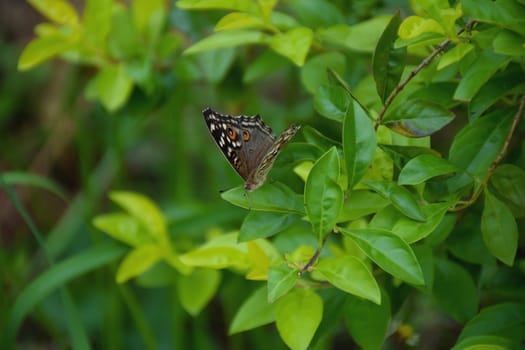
[(248, 144)]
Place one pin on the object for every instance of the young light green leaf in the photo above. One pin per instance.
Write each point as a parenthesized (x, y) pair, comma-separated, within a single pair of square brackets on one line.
[(281, 278), (388, 61), (239, 20), (259, 224), (236, 5), (499, 229), (351, 275), (139, 260), (42, 49), (195, 290), (113, 86), (424, 167), (59, 11), (275, 197), (418, 118), (332, 102), (359, 143), (400, 197), (323, 195), (216, 257), (297, 316), (294, 44), (368, 322), (144, 210), (149, 17), (254, 312), (124, 228), (388, 251), (227, 38)]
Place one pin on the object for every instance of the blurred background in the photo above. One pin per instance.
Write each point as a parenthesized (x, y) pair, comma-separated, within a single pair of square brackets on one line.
[(156, 143)]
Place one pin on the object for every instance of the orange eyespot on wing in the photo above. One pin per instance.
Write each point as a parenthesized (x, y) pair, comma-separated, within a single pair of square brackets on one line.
[(231, 133), (246, 135)]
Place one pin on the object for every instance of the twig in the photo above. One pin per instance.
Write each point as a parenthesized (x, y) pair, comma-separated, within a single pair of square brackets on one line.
[(314, 257), (413, 73), (497, 160)]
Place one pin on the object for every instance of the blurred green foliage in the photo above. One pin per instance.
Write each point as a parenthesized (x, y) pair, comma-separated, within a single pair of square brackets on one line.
[(389, 220)]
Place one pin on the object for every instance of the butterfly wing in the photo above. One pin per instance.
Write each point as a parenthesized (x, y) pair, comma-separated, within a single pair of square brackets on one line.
[(258, 175), (243, 140)]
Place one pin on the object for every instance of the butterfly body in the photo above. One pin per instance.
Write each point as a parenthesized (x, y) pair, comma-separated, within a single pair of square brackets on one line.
[(247, 143)]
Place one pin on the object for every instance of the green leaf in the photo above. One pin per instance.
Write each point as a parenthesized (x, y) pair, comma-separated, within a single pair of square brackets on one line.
[(97, 21), (487, 342), (239, 20), (477, 145), (228, 38), (507, 14), (42, 49), (418, 118), (314, 137), (359, 143), (454, 290), (316, 13), (113, 86), (123, 42), (400, 197), (149, 17), (478, 73), (361, 37), (361, 203), (259, 224), (388, 251), (297, 316), (413, 231), (388, 61), (368, 323), (494, 90), (504, 320), (139, 260), (323, 196), (508, 43), (254, 312), (424, 167), (313, 73), (29, 179), (196, 289), (332, 102), (216, 257), (499, 229), (124, 228), (351, 275), (266, 63), (294, 44), (59, 11), (57, 276), (281, 278), (454, 55), (403, 154), (508, 182), (236, 5), (145, 211), (275, 197)]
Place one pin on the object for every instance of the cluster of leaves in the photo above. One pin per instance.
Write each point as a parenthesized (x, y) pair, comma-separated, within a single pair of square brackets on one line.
[(380, 208)]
